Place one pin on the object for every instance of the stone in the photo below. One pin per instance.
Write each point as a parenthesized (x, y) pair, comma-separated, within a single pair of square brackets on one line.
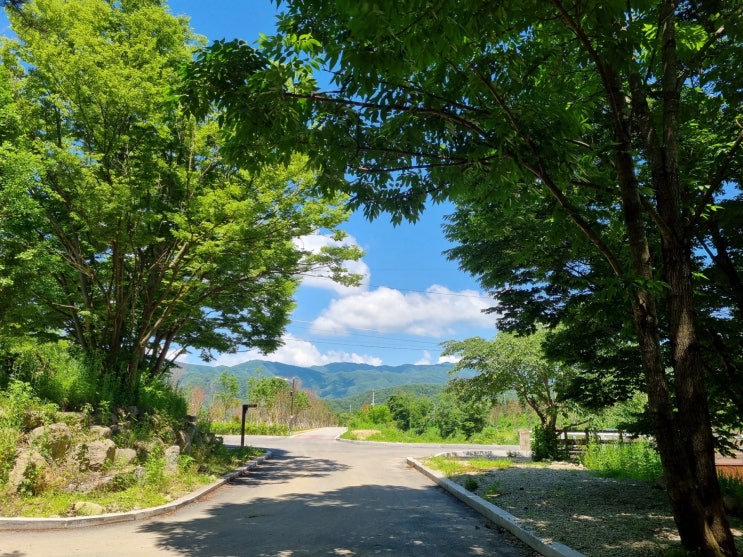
[(28, 474), (32, 419), (100, 431), (96, 455), (184, 439), (55, 438), (86, 508), (124, 457), (171, 459), (73, 419)]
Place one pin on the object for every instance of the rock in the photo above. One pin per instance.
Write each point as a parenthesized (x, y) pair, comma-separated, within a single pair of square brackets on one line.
[(101, 431), (55, 438), (96, 454), (123, 457), (32, 419), (73, 419), (184, 439), (28, 474), (171, 459), (85, 508)]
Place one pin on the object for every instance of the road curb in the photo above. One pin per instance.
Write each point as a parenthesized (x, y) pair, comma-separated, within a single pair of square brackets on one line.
[(496, 514), (21, 523)]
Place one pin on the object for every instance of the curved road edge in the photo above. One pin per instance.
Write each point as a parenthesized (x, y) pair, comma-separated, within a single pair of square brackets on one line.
[(496, 514), (25, 523)]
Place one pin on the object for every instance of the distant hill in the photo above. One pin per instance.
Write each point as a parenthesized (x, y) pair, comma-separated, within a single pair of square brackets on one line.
[(332, 381)]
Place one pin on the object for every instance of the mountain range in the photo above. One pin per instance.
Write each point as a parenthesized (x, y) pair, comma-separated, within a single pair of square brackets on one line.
[(332, 381)]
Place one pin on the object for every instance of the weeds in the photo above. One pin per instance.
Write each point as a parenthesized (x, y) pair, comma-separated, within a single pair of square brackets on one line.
[(453, 466), (637, 460)]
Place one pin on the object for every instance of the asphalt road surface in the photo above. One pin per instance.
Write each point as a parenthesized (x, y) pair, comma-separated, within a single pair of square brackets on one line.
[(315, 496)]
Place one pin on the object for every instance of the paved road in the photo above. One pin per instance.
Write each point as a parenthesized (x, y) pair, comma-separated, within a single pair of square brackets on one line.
[(315, 496)]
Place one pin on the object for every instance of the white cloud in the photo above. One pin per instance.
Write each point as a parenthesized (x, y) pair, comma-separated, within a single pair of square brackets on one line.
[(321, 279), (425, 360), (447, 360), (298, 353), (436, 312)]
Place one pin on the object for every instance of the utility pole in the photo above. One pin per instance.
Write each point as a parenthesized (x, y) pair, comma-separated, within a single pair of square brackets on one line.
[(373, 393), (291, 409)]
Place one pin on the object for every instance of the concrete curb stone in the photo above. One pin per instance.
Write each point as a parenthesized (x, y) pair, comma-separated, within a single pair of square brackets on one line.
[(495, 514)]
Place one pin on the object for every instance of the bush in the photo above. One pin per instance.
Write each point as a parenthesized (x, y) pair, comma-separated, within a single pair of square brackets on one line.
[(496, 436), (17, 403), (53, 372), (636, 460), (546, 446), (160, 397)]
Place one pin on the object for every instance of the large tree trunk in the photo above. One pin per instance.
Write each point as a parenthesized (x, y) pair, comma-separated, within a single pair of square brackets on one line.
[(684, 433), (684, 437)]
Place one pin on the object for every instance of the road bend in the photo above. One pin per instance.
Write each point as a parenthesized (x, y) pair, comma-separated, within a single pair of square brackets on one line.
[(315, 496)]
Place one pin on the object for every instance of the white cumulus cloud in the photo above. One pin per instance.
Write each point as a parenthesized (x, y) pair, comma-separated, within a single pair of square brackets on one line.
[(433, 313), (297, 352), (321, 278)]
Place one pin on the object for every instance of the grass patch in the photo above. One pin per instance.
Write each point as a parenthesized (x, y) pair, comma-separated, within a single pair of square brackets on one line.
[(636, 461), (453, 466)]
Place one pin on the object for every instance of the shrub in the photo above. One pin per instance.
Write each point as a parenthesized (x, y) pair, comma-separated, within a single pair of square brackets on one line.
[(546, 446), (17, 403), (636, 460)]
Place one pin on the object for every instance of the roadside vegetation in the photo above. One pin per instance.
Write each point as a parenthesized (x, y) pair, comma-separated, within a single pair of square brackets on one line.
[(69, 448)]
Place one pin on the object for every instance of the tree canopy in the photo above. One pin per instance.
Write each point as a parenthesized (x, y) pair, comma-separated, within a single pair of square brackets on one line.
[(619, 123), (513, 363), (122, 226)]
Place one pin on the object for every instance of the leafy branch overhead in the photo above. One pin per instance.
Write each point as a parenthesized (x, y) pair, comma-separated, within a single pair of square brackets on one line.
[(607, 134)]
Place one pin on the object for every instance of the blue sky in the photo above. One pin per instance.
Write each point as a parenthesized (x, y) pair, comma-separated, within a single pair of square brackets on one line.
[(412, 298)]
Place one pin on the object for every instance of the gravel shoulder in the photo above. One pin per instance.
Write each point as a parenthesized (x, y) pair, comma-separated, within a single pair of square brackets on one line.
[(594, 515)]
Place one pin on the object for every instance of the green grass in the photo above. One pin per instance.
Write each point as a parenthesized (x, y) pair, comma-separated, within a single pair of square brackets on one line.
[(452, 466), (235, 428), (636, 460), (392, 434)]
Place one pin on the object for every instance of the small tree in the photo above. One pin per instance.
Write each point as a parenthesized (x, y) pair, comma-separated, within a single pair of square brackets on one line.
[(516, 363), (225, 397), (409, 412)]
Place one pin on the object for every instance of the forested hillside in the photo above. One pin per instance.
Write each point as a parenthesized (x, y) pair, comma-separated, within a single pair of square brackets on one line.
[(333, 381)]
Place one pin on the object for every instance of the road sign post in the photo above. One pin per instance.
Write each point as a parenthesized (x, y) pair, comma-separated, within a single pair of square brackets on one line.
[(242, 429)]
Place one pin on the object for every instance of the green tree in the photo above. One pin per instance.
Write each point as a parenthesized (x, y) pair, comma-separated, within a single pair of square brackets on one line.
[(513, 363), (453, 414), (226, 394), (149, 242), (379, 414), (622, 115), (277, 401), (410, 412)]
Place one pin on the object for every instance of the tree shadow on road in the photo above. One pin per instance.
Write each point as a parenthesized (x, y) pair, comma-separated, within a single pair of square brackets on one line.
[(357, 520), (283, 466)]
